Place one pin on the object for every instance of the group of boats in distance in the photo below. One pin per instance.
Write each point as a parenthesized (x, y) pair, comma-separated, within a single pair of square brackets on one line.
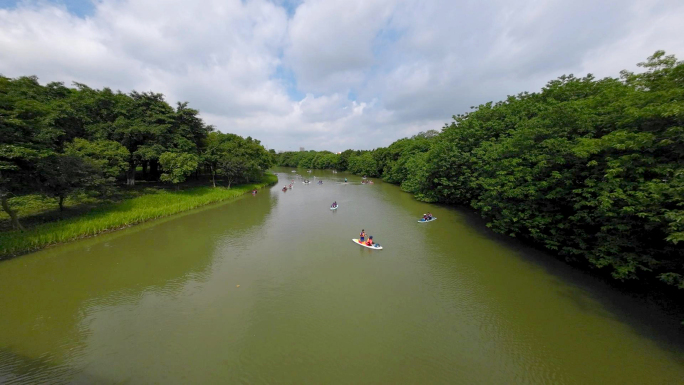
[(361, 241)]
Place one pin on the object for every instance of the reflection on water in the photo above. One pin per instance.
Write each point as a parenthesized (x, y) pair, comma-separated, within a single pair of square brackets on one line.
[(271, 289)]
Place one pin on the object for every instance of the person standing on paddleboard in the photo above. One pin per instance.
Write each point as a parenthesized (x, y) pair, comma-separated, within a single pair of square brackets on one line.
[(362, 236)]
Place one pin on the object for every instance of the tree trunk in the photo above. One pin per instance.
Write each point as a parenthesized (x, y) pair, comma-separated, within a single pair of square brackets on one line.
[(213, 175), (11, 213), (130, 175), (144, 170), (154, 170), (61, 204)]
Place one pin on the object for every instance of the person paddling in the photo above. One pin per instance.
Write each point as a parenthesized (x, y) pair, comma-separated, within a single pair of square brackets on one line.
[(362, 236)]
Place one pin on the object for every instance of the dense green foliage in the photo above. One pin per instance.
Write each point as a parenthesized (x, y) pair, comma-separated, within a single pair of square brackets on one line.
[(59, 141), (590, 168), (154, 204)]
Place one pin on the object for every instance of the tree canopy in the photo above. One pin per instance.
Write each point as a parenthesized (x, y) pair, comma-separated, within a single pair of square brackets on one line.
[(56, 141)]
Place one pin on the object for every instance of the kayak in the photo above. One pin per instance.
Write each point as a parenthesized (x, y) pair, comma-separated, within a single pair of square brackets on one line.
[(424, 221), (374, 247), (334, 208)]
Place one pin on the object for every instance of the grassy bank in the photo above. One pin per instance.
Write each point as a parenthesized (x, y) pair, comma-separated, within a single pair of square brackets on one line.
[(156, 204)]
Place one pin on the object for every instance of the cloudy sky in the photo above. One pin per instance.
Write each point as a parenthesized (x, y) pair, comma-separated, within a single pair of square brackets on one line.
[(331, 74)]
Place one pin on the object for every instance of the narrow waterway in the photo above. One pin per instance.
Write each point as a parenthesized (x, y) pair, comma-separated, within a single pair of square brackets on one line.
[(271, 289)]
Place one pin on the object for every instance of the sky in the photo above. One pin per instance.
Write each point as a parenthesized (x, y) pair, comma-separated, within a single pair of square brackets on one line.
[(331, 74)]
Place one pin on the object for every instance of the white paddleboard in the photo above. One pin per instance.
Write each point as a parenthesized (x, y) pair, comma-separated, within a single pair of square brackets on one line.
[(374, 247), (424, 221), (334, 208)]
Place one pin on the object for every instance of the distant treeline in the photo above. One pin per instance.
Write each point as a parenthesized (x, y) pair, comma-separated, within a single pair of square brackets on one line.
[(592, 169), (58, 141)]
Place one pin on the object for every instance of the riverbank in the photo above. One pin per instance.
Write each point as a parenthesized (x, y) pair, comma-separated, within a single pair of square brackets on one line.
[(115, 216)]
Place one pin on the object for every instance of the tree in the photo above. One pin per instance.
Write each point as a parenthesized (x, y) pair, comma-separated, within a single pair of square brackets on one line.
[(211, 155), (17, 176), (232, 168), (363, 164), (56, 140), (107, 156), (62, 175), (236, 158), (25, 138), (177, 166)]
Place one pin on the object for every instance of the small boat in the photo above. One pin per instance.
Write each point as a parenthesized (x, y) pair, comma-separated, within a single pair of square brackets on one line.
[(306, 182), (334, 208), (293, 171), (374, 247), (429, 220)]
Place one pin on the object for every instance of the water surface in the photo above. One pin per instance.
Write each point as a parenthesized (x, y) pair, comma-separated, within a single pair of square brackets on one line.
[(444, 302)]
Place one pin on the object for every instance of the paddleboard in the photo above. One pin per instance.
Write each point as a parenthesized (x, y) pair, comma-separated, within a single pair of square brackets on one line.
[(424, 221), (374, 247)]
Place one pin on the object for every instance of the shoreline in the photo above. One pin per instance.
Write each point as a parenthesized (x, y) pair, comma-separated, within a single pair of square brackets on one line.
[(114, 217)]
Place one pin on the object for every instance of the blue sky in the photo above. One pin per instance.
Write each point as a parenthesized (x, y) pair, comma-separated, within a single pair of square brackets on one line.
[(331, 74), (82, 8)]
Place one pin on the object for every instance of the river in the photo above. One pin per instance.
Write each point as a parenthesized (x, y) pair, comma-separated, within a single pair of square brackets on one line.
[(271, 289)]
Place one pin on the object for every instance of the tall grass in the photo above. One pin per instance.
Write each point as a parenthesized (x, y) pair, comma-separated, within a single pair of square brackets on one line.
[(118, 215)]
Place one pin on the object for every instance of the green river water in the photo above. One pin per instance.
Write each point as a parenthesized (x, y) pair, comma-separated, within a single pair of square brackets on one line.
[(445, 302)]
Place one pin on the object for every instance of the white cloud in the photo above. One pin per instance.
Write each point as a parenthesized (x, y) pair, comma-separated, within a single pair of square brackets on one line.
[(407, 64), (331, 41)]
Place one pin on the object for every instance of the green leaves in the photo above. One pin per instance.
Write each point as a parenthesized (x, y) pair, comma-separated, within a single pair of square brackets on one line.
[(235, 158), (56, 140), (363, 164), (177, 166), (107, 156), (61, 175)]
